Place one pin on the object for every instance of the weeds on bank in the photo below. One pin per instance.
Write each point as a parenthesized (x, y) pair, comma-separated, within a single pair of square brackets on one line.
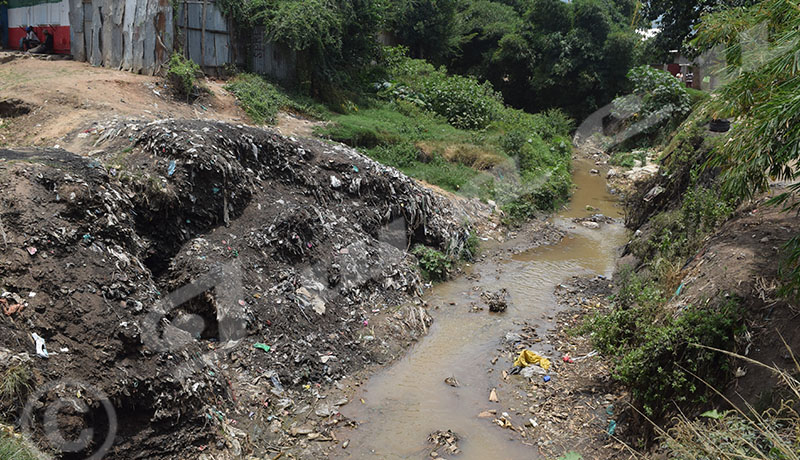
[(13, 449), (182, 74), (742, 433), (650, 346), (262, 100), (14, 384)]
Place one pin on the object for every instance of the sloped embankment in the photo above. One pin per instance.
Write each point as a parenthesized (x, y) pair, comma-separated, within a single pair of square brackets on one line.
[(154, 278)]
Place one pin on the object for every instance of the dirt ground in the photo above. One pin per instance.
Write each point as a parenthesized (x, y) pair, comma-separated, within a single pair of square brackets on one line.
[(741, 261), (68, 97)]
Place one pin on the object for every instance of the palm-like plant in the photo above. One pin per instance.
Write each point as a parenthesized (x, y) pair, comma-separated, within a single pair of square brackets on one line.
[(761, 45)]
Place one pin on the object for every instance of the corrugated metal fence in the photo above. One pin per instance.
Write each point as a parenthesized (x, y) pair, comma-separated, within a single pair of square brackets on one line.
[(206, 37), (204, 34), (135, 35), (140, 35)]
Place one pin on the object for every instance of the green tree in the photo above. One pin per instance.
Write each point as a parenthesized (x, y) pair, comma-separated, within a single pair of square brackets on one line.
[(479, 27), (569, 55), (762, 95), (425, 27), (678, 19)]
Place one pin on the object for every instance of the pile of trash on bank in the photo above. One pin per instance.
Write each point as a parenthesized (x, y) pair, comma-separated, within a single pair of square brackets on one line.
[(213, 275)]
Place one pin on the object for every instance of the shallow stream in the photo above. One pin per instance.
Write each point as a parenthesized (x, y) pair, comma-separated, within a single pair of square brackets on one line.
[(407, 401)]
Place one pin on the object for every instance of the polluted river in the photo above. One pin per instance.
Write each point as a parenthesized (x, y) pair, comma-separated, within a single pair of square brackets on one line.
[(398, 407)]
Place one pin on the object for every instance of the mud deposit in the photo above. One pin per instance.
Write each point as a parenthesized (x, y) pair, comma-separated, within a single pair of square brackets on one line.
[(405, 403)]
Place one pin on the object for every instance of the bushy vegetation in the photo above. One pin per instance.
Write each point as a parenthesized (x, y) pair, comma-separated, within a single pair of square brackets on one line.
[(182, 73), (456, 133), (262, 100), (654, 350), (435, 265), (658, 105)]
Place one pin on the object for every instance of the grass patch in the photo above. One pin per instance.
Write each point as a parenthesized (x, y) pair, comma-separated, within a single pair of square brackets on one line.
[(262, 100), (14, 383), (13, 449)]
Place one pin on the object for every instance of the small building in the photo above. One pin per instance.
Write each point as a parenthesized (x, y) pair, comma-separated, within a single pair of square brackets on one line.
[(52, 15)]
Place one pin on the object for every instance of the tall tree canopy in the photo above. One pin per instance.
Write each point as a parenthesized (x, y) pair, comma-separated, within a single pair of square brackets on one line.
[(677, 19), (569, 55)]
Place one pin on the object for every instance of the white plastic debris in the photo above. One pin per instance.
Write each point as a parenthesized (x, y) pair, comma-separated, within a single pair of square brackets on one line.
[(41, 348)]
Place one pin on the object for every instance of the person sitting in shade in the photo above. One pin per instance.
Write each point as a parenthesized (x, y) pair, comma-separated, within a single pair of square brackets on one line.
[(30, 40), (47, 46)]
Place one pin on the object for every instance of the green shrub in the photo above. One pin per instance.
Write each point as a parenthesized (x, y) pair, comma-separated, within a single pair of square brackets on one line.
[(628, 159), (470, 247), (543, 193), (653, 349), (182, 74), (434, 264), (465, 103), (259, 98)]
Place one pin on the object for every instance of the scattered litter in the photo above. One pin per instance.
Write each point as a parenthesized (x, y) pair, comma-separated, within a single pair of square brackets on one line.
[(446, 440), (262, 346), (527, 358), (493, 396), (546, 378), (452, 381), (171, 168), (32, 250), (11, 309), (41, 348)]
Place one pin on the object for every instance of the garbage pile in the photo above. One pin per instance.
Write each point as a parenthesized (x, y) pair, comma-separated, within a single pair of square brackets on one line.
[(210, 279)]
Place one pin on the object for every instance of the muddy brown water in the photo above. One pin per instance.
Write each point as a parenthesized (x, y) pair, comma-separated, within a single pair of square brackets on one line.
[(407, 401)]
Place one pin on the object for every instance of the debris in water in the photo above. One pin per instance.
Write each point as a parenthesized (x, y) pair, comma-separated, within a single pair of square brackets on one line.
[(446, 440), (496, 300)]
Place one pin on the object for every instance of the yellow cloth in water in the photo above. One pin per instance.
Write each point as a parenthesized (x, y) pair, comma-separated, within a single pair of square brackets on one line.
[(527, 358)]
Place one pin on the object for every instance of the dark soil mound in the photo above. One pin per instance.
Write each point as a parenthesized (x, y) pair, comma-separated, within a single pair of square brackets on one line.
[(152, 275)]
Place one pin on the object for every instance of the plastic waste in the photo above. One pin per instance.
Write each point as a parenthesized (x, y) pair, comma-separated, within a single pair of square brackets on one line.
[(528, 358), (41, 348), (262, 346), (546, 378), (171, 168)]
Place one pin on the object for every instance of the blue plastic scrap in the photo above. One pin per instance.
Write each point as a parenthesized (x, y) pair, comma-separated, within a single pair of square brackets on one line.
[(171, 168)]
